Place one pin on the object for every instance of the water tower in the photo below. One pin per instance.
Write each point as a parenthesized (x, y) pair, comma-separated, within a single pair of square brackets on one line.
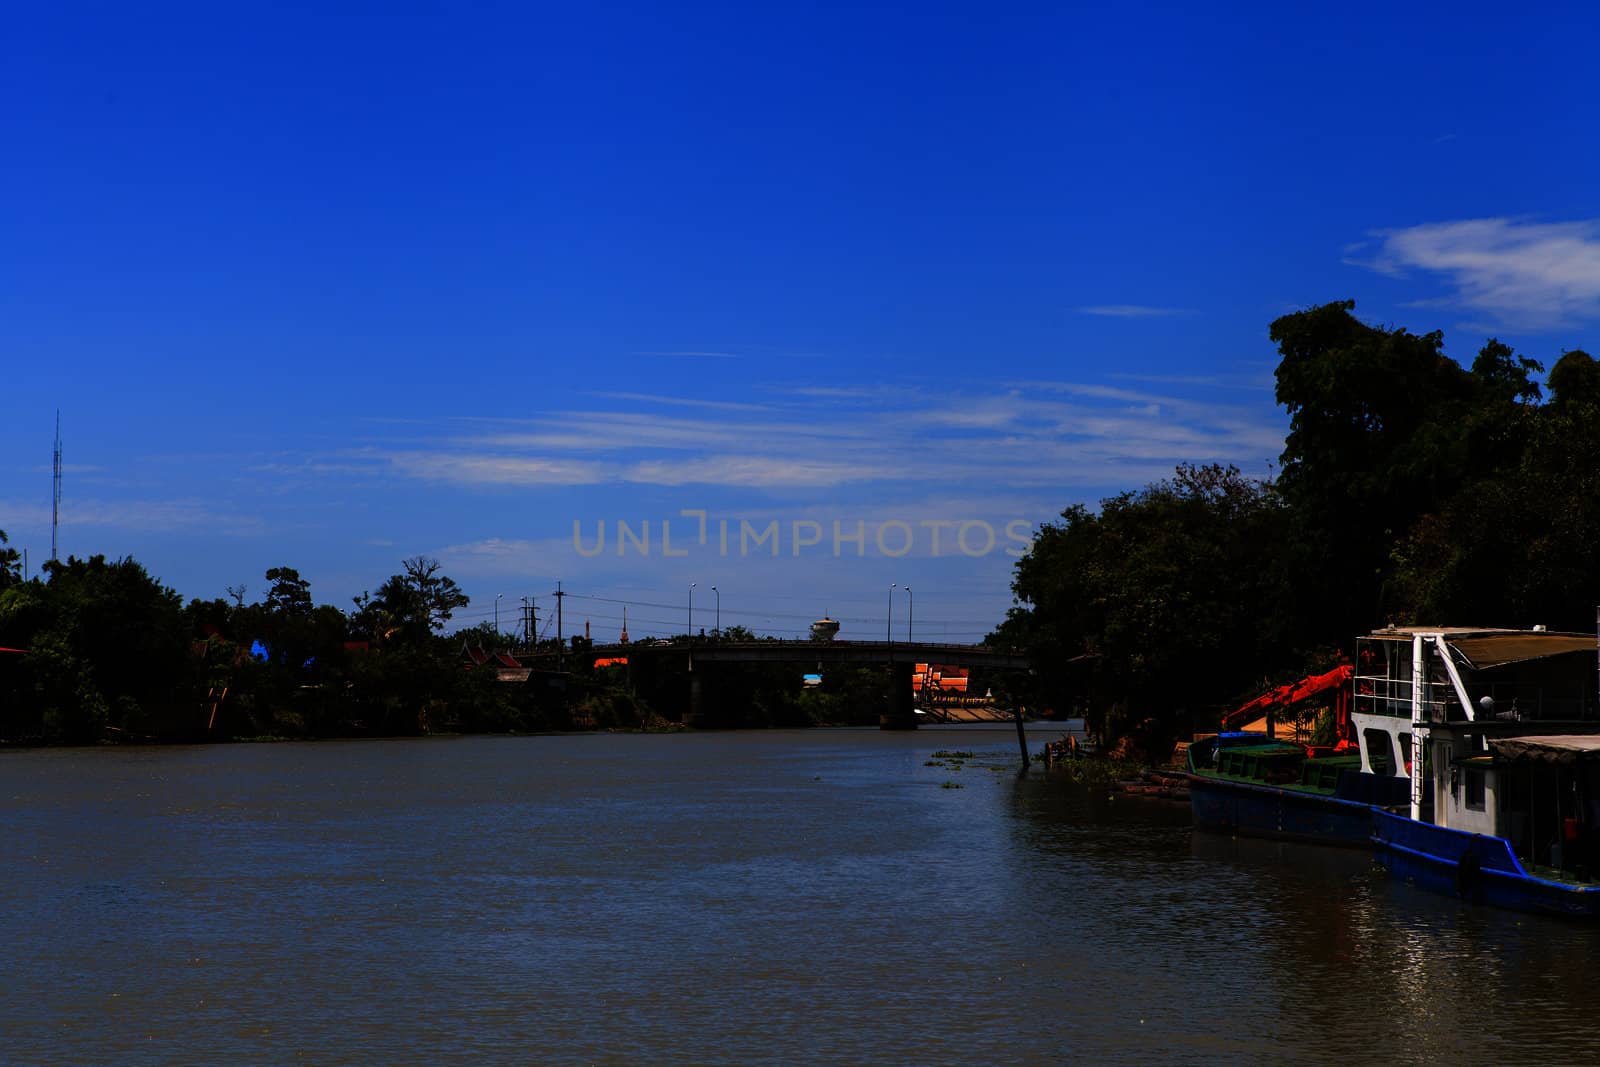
[(824, 629)]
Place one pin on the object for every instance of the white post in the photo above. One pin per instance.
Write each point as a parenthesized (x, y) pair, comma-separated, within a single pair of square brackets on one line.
[(1419, 729), (1455, 676)]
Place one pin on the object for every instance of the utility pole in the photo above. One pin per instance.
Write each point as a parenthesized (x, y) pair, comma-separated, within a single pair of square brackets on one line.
[(561, 660), (55, 496)]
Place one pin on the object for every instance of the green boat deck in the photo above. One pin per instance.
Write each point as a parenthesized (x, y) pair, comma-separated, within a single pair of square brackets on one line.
[(1282, 764)]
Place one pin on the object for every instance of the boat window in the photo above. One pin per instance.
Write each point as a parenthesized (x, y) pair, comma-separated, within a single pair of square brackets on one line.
[(1475, 779), (1380, 754)]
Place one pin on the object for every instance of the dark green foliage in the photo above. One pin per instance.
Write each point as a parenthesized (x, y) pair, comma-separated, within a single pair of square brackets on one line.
[(1575, 380), (107, 655), (1159, 603), (110, 654), (1377, 436), (10, 564), (417, 602), (1412, 490), (1518, 545), (289, 594)]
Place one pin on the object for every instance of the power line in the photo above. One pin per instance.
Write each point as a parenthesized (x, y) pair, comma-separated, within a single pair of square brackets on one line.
[(756, 613)]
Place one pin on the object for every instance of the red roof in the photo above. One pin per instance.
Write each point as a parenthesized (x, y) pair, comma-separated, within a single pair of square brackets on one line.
[(479, 656)]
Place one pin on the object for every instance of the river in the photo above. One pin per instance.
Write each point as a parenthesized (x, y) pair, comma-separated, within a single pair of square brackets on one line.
[(737, 898)]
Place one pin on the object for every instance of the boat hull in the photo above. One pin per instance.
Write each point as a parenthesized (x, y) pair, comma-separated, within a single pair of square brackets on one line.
[(1474, 867), (1222, 805)]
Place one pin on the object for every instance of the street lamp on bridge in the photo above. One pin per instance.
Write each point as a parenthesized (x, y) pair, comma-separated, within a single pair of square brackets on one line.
[(911, 607), (719, 611), (691, 611), (888, 626)]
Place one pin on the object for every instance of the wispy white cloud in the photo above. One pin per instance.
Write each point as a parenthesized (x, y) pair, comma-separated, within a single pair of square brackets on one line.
[(497, 556), (684, 401), (67, 468), (147, 516), (489, 469), (762, 472), (1132, 311), (1530, 275), (1026, 433), (1260, 382), (854, 393), (694, 355)]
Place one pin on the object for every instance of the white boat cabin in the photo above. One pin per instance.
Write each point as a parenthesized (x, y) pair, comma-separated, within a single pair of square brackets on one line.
[(1504, 719)]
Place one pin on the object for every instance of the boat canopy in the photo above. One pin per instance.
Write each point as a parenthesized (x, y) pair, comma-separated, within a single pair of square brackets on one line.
[(1563, 749), (1497, 650), (1484, 648)]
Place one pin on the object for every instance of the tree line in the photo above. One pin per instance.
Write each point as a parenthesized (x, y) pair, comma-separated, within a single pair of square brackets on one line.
[(1410, 490), (99, 650), (107, 652)]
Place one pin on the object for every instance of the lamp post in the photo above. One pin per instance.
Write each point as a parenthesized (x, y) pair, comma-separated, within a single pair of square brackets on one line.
[(911, 610), (888, 626), (691, 611), (497, 597), (719, 610)]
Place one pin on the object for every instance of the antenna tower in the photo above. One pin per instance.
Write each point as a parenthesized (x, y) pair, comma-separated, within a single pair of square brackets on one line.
[(55, 499)]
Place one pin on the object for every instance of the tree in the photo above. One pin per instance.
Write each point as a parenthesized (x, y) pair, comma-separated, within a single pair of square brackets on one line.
[(1506, 376), (10, 564), (1378, 436), (108, 652), (1517, 546), (288, 593), (419, 601), (1575, 379), (1163, 603), (282, 622)]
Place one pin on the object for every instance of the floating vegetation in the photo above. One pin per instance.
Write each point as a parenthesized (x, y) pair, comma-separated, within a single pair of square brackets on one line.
[(945, 753), (951, 785), (1096, 774)]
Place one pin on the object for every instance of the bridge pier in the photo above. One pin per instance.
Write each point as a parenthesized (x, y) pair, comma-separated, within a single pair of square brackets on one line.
[(694, 715), (900, 702)]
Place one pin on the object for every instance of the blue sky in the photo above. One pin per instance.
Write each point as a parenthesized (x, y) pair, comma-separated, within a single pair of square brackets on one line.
[(330, 290)]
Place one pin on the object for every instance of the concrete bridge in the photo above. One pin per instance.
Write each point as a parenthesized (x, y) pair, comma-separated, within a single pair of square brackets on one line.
[(897, 657), (858, 652)]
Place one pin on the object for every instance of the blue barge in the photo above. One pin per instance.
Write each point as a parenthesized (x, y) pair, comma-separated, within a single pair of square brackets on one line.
[(1254, 786)]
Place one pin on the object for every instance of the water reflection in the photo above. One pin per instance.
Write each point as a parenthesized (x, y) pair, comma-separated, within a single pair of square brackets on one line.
[(1283, 933)]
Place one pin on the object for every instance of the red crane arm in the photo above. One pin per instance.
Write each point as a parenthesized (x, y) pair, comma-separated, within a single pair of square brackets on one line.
[(1286, 696)]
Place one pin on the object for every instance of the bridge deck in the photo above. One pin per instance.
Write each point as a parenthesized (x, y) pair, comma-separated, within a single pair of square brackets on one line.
[(864, 652)]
